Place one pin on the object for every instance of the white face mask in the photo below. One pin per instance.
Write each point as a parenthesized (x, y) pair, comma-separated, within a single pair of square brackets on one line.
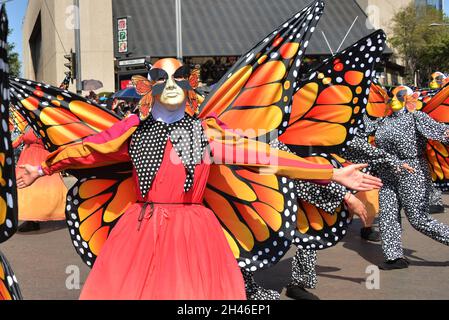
[(173, 97)]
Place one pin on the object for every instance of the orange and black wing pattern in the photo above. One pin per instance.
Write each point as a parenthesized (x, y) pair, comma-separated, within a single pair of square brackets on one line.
[(8, 196), (256, 94), (257, 213), (95, 204), (9, 288), (427, 95), (438, 153), (317, 229), (378, 102), (144, 88), (58, 116), (99, 198), (329, 103), (17, 120)]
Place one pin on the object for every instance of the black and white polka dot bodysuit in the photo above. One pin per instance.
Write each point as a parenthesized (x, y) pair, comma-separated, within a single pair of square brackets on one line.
[(405, 135)]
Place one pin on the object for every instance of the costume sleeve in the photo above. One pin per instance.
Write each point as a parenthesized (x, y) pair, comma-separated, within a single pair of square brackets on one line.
[(230, 148), (328, 198), (361, 151), (105, 148), (430, 128), (17, 142)]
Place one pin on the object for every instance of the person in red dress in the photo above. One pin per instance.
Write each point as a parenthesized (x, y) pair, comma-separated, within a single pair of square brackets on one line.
[(168, 246)]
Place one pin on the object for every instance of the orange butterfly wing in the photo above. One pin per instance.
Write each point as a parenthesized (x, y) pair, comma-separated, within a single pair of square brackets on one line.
[(95, 204), (58, 116), (8, 195), (194, 78), (438, 153), (378, 102), (317, 229), (143, 85), (328, 106), (9, 288), (256, 213), (255, 94), (144, 88)]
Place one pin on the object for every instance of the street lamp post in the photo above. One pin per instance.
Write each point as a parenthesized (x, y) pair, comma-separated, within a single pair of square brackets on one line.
[(79, 83), (179, 52)]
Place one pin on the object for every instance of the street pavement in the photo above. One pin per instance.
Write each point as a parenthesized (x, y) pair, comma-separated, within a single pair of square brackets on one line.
[(46, 265)]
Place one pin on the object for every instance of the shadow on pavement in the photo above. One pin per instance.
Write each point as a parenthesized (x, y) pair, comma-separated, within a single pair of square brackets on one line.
[(46, 227)]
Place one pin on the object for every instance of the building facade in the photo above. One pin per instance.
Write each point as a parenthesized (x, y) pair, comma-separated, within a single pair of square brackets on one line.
[(437, 4), (48, 35), (117, 36)]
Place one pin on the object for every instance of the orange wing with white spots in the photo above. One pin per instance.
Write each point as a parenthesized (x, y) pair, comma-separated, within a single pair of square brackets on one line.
[(438, 153), (256, 213), (255, 95), (100, 197), (328, 105), (9, 288), (58, 116), (8, 196)]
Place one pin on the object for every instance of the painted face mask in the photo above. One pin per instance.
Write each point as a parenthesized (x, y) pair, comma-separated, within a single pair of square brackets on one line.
[(404, 96), (171, 84), (438, 80)]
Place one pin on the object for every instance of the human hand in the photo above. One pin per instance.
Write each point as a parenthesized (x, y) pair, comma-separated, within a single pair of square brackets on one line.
[(28, 176), (407, 167), (352, 178), (356, 207)]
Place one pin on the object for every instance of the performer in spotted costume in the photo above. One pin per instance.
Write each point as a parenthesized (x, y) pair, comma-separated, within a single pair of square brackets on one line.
[(404, 134), (328, 198)]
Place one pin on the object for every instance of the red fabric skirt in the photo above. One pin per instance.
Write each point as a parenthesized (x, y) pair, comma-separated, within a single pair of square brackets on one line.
[(179, 253)]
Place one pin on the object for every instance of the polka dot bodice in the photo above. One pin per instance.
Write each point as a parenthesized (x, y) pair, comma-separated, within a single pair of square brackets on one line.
[(149, 145)]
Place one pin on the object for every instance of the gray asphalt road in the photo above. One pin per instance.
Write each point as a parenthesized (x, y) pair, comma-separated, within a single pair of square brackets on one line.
[(45, 263)]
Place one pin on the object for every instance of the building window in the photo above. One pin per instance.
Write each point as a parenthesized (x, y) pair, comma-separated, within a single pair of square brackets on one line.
[(36, 48)]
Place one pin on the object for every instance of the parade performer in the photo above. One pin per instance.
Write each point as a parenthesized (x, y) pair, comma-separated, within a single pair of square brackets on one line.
[(320, 205), (9, 288), (329, 199), (170, 205), (255, 211), (438, 81), (405, 133), (33, 208)]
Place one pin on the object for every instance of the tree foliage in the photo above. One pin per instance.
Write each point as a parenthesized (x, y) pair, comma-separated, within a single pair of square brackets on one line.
[(13, 58), (425, 48)]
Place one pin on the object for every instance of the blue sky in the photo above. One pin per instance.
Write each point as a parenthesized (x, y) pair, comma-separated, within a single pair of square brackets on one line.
[(16, 11)]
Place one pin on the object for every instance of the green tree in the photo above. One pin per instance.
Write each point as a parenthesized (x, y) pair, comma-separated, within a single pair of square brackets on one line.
[(13, 58), (424, 48)]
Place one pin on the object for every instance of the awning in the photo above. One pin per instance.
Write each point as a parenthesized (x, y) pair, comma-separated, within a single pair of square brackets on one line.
[(231, 27)]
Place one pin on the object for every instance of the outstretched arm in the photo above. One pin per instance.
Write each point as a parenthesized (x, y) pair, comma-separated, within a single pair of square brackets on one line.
[(230, 148), (361, 151), (105, 148), (430, 128)]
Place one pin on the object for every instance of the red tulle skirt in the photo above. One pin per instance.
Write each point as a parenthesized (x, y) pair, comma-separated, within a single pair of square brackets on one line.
[(180, 253)]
